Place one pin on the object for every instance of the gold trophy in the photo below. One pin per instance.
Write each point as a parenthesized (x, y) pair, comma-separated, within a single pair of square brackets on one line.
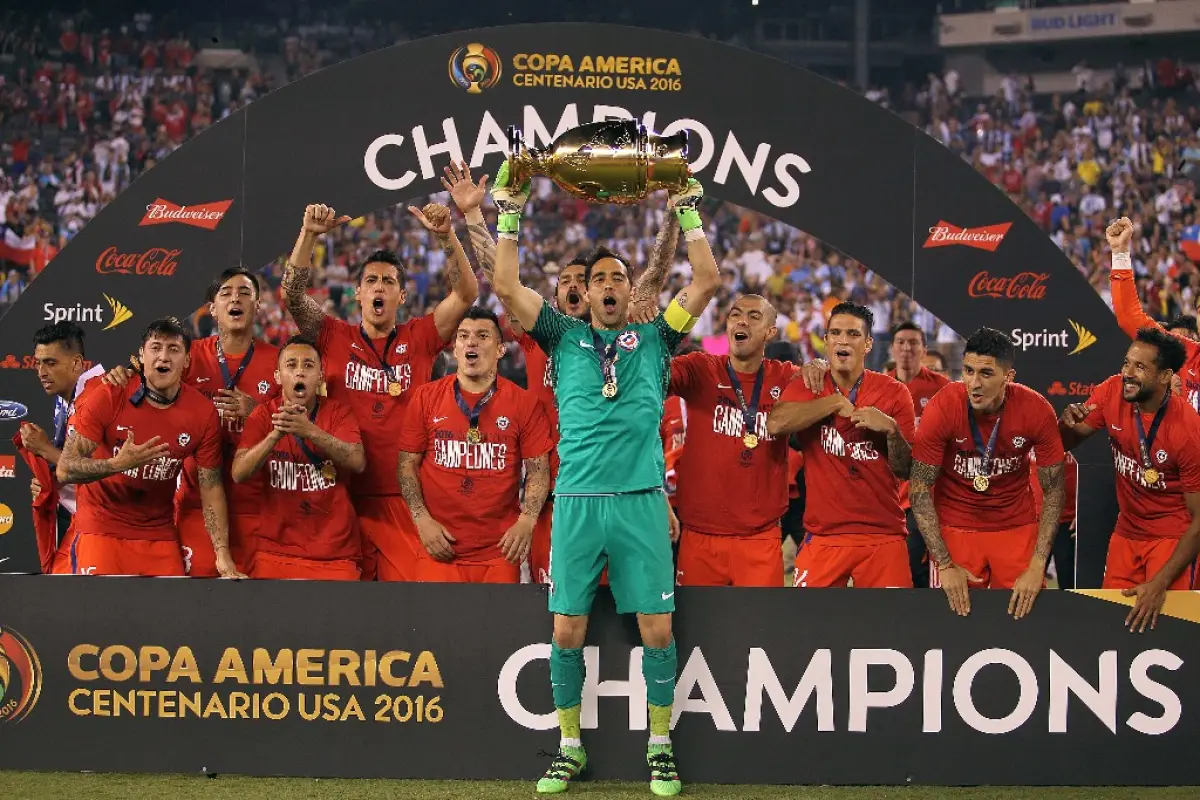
[(613, 161)]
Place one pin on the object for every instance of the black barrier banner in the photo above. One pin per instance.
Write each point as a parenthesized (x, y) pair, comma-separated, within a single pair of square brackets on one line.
[(765, 135), (452, 681)]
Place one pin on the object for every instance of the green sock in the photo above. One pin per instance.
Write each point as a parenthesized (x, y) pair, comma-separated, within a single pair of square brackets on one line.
[(566, 681), (658, 669)]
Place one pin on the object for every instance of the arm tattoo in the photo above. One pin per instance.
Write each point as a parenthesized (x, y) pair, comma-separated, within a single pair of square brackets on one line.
[(1053, 480), (899, 454), (341, 453), (682, 298), (305, 310), (210, 478), (650, 283), (537, 485), (453, 272), (484, 247), (923, 477), (410, 485), (77, 464)]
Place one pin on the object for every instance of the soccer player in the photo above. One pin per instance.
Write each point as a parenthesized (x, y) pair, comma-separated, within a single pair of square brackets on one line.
[(466, 438), (570, 298), (59, 359), (1132, 317), (909, 352), (1183, 326), (373, 367), (973, 446), (856, 435), (935, 362), (732, 474), (126, 446), (1155, 438), (309, 445), (610, 383)]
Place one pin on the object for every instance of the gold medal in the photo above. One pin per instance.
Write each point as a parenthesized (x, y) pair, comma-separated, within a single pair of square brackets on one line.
[(981, 483), (1152, 476), (610, 390), (474, 436), (328, 471), (750, 440), (395, 389)]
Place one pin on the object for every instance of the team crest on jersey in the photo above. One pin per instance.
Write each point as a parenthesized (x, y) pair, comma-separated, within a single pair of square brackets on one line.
[(1161, 456), (502, 423), (775, 392), (183, 439), (1018, 442), (629, 340), (924, 402), (263, 387), (401, 349)]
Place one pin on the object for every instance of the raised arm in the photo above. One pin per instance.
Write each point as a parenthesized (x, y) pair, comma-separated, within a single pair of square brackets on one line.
[(464, 288), (1071, 425), (306, 311), (521, 302), (650, 283), (695, 297)]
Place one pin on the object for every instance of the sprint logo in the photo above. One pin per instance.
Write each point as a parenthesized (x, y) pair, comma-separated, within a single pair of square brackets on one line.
[(1045, 338)]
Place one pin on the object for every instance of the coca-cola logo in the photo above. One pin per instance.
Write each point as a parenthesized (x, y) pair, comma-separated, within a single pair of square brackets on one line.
[(155, 261), (206, 215), (1023, 286), (986, 238)]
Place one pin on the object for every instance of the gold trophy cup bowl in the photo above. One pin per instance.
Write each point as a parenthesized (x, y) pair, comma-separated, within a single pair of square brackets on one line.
[(612, 161)]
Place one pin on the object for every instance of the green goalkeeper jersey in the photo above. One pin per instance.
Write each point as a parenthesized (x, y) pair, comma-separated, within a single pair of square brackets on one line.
[(608, 446)]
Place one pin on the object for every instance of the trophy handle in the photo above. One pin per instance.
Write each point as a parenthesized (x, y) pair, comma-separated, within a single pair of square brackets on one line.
[(518, 156)]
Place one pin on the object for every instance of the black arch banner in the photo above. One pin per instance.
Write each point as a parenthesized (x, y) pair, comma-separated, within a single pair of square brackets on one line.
[(376, 131)]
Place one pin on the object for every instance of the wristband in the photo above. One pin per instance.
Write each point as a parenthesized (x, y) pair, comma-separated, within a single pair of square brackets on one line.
[(694, 234), (503, 235), (689, 218), (1122, 262), (508, 222)]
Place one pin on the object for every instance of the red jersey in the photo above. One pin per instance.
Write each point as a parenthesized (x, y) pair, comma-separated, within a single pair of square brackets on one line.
[(849, 487), (924, 385), (1027, 423), (1132, 317), (673, 430), (303, 514), (258, 381), (1150, 511), (474, 490), (137, 504), (1070, 490), (355, 376), (539, 378), (725, 487)]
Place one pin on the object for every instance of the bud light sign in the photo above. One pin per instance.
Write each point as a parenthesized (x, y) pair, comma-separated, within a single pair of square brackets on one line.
[(12, 410)]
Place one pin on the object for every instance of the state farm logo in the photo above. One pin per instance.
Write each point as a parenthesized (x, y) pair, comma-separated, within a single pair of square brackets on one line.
[(987, 238), (155, 261), (207, 215), (1071, 389), (8, 466), (1025, 286)]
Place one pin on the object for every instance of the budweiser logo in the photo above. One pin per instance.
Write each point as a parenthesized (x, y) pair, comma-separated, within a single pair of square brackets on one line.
[(987, 238), (1025, 286), (155, 261), (8, 466), (206, 216)]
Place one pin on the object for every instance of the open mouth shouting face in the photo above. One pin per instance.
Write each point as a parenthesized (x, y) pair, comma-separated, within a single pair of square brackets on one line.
[(750, 325), (299, 373), (164, 359), (609, 290), (847, 342), (985, 378), (571, 294), (235, 303), (380, 293), (478, 345)]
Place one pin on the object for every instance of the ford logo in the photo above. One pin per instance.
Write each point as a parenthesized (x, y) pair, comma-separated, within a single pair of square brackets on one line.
[(12, 410)]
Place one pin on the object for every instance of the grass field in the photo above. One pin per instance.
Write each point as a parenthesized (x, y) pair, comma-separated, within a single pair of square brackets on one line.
[(50, 786)]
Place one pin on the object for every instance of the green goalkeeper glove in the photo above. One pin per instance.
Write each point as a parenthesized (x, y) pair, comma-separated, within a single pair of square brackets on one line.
[(685, 203), (509, 201)]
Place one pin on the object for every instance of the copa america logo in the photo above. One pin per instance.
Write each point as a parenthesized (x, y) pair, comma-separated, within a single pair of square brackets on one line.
[(475, 67)]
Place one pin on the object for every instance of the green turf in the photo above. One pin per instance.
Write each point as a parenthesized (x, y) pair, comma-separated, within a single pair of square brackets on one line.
[(50, 786)]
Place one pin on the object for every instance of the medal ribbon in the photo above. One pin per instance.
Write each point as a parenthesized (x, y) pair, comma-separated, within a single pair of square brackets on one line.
[(316, 460), (387, 348), (607, 356), (1146, 441), (62, 412), (472, 414), (853, 395), (977, 435), (749, 410), (231, 380)]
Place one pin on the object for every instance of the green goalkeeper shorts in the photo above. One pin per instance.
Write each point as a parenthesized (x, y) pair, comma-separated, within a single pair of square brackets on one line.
[(629, 533)]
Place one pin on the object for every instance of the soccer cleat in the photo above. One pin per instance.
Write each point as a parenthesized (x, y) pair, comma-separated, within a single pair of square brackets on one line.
[(664, 777), (566, 766)]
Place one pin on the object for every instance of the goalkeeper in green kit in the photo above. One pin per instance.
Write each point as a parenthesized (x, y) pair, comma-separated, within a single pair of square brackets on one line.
[(610, 380)]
